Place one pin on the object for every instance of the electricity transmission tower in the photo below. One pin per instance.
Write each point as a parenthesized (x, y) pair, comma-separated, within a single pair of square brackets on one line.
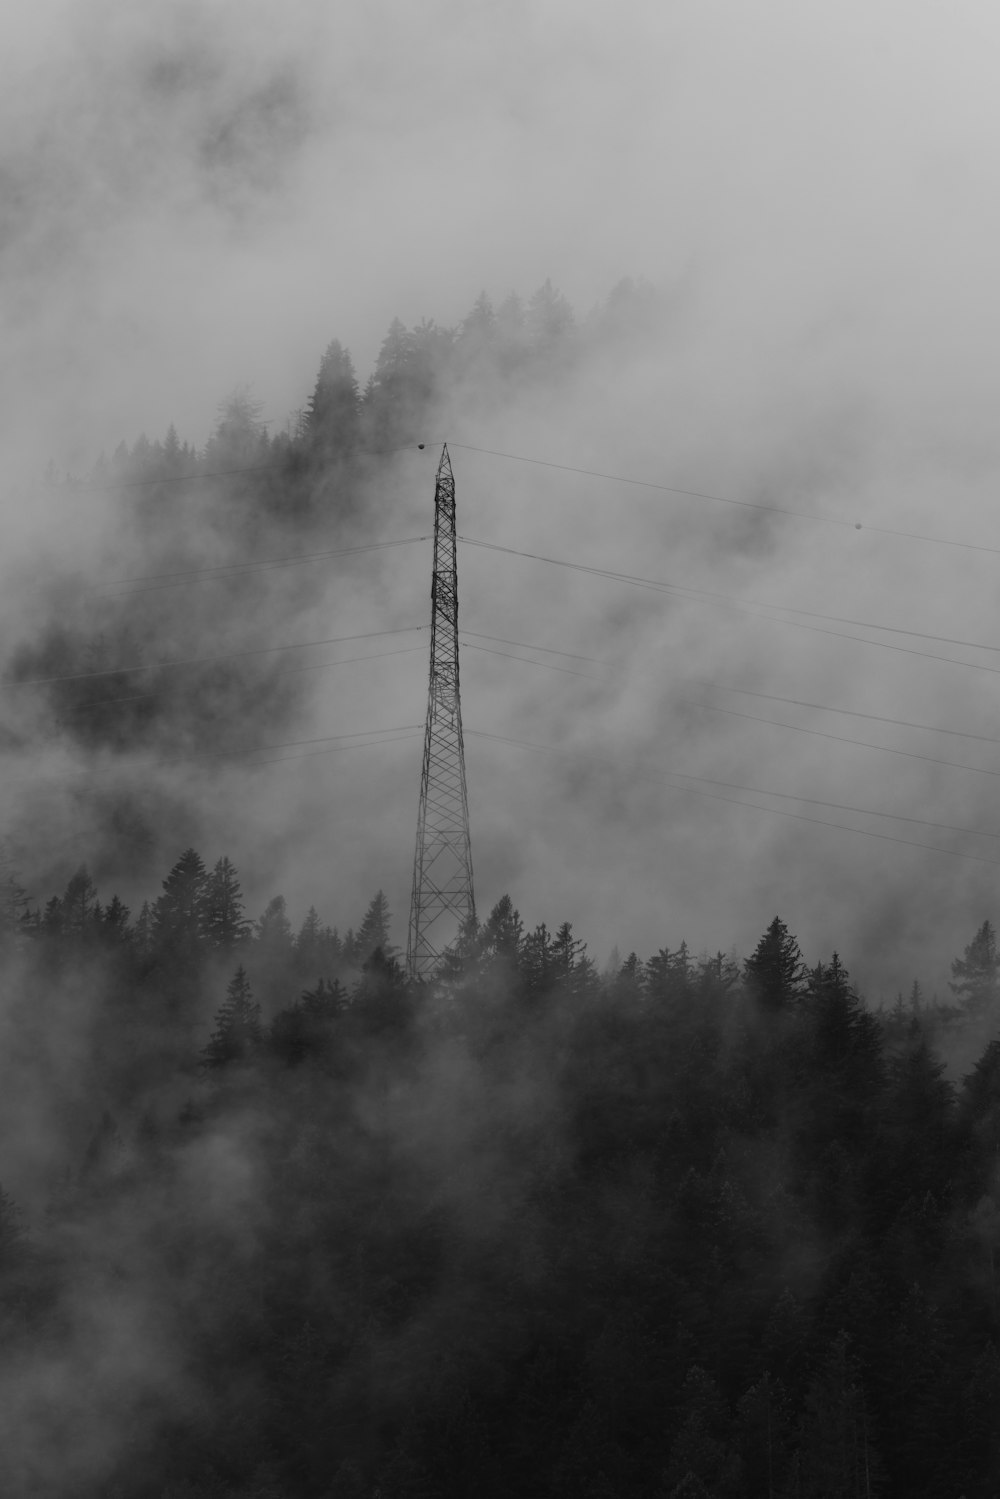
[(442, 899)]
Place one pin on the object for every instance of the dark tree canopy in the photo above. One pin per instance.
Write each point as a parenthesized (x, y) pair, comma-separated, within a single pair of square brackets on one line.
[(775, 972), (180, 913), (238, 1032), (976, 975)]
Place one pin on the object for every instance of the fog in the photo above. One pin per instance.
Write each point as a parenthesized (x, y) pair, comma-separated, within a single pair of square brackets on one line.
[(201, 197)]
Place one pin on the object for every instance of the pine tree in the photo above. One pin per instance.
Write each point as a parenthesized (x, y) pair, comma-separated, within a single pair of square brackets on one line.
[(334, 412), (79, 904), (180, 912), (237, 1034), (240, 437), (462, 956), (843, 1075), (976, 975), (628, 984), (309, 945), (144, 927), (703, 1459), (912, 1156), (52, 922), (550, 319), (273, 930), (349, 949), (775, 973), (846, 1036), (536, 960), (836, 1458), (981, 1090), (503, 932), (566, 951), (139, 458), (114, 922), (326, 1001), (172, 453), (717, 976), (225, 924), (764, 1432), (510, 328), (306, 1028), (373, 933), (480, 325), (13, 911), (669, 975)]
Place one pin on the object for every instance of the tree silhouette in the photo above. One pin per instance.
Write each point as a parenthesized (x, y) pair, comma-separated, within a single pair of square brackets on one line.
[(224, 923), (237, 1034), (775, 973), (976, 975)]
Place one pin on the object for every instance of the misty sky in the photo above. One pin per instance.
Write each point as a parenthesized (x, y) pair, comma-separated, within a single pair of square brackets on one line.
[(199, 195)]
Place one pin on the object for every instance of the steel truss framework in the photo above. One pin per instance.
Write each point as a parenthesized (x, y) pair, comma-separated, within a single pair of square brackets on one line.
[(442, 900)]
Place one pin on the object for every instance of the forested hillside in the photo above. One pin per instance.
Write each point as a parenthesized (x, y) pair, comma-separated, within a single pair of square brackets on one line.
[(276, 1221), (300, 1227)]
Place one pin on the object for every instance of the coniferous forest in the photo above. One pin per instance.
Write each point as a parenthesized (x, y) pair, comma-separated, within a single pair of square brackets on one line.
[(686, 1225)]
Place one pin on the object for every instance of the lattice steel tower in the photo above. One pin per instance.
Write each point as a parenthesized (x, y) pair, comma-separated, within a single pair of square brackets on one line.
[(442, 899)]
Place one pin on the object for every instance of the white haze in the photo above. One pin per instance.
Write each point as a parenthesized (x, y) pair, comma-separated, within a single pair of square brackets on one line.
[(202, 195)]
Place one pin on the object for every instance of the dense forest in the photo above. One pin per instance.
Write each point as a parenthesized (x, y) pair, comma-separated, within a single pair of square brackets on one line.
[(683, 1227), (276, 1221)]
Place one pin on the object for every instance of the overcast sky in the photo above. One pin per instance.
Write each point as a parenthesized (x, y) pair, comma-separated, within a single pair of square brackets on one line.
[(198, 195)]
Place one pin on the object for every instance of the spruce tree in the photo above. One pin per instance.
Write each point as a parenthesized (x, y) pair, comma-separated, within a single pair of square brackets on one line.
[(373, 934), (179, 914), (273, 930), (225, 924), (775, 973), (479, 327), (567, 951), (976, 975), (308, 945), (114, 924), (79, 904), (237, 1033), (549, 319), (13, 910), (333, 416), (503, 932)]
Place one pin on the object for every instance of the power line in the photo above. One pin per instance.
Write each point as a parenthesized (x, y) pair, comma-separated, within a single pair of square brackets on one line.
[(291, 744), (717, 596), (778, 723), (754, 609), (699, 494), (314, 754), (136, 697), (263, 650), (695, 494), (815, 801), (526, 661), (843, 739), (755, 806), (795, 702), (548, 649), (236, 569)]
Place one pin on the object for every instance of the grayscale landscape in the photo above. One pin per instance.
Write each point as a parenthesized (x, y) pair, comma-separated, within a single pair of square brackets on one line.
[(535, 468)]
